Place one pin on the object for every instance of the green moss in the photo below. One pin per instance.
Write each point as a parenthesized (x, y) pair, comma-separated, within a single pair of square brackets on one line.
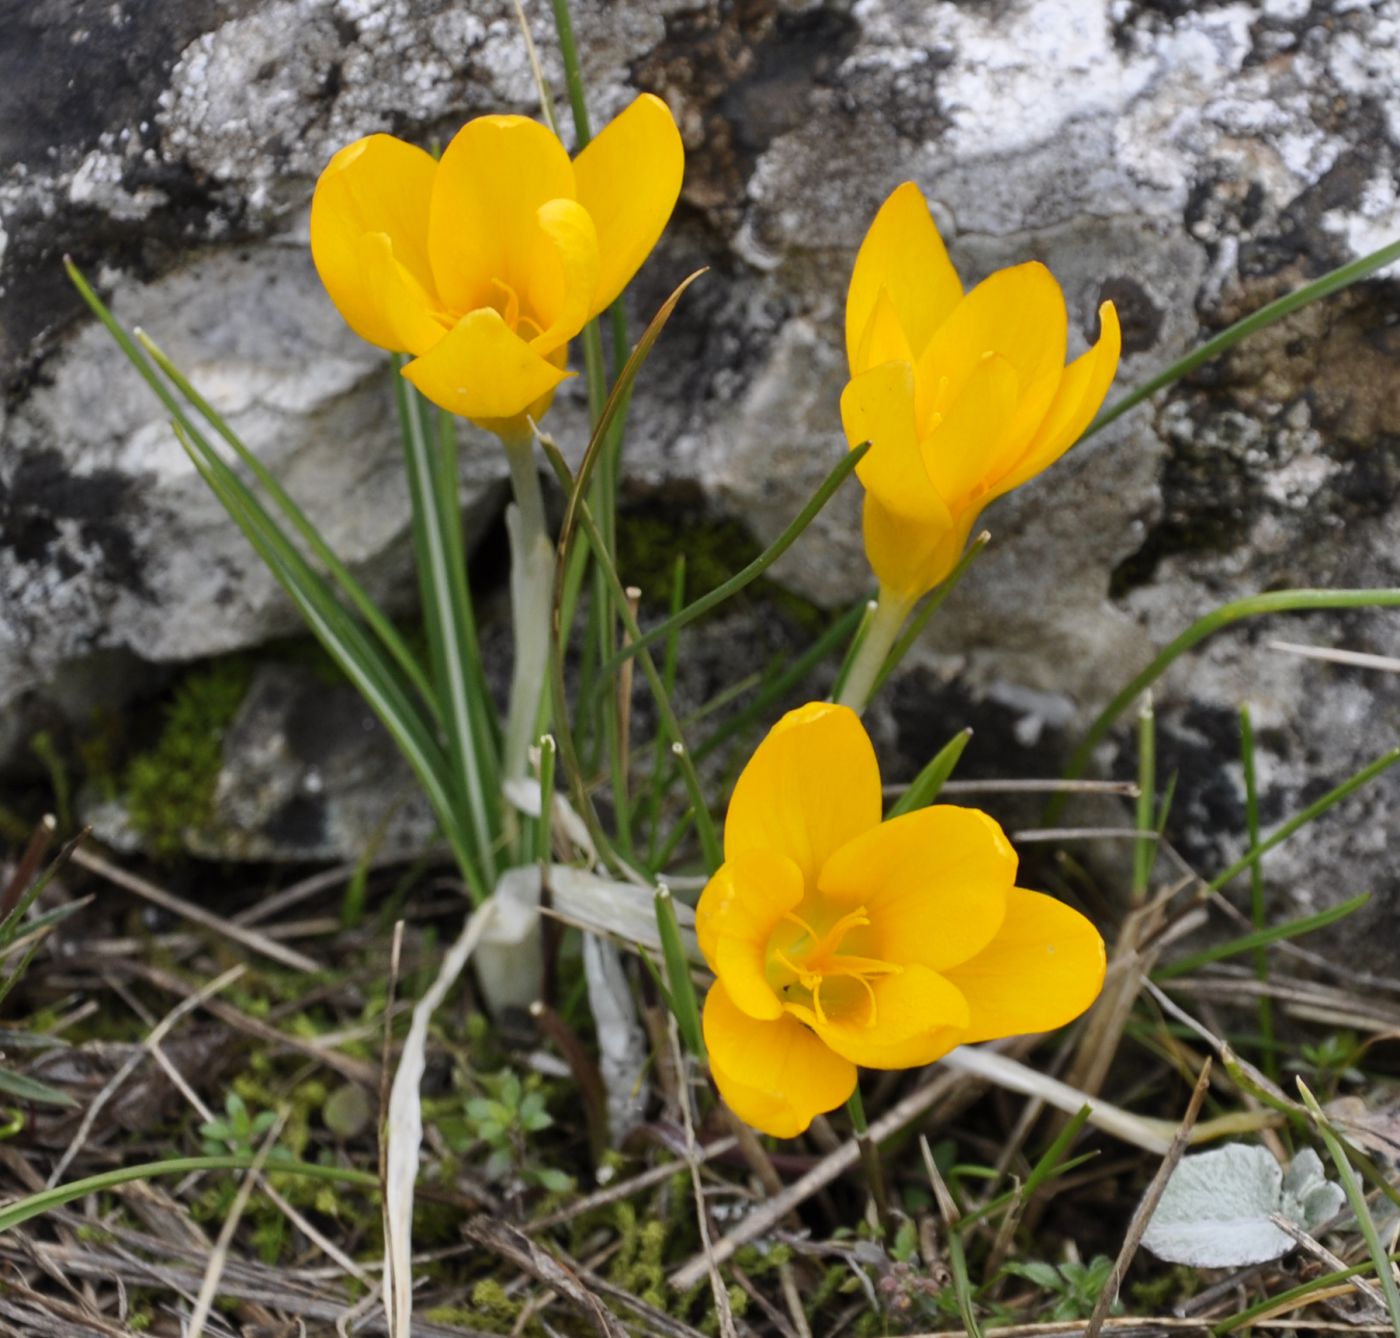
[(170, 788)]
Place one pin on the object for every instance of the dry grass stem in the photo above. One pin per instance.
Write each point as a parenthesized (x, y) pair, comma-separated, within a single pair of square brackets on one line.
[(1148, 1205), (158, 896), (1335, 655)]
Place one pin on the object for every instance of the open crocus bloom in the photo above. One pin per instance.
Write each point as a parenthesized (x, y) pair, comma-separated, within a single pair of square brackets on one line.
[(484, 265), (839, 940), (963, 397)]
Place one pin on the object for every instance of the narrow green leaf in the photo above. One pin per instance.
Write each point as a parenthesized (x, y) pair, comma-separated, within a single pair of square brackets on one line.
[(545, 828), (929, 781), (353, 591), (23, 1088), (1333, 282), (568, 532), (1359, 1207), (1284, 1300), (962, 1284), (436, 551), (1258, 910), (1049, 1162), (1276, 601), (680, 987), (868, 613), (1144, 850), (1300, 820), (343, 639), (1260, 938), (301, 523), (35, 1205), (750, 573)]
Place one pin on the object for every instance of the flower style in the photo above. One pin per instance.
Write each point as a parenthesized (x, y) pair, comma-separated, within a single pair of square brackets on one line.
[(840, 940), (484, 265), (963, 397)]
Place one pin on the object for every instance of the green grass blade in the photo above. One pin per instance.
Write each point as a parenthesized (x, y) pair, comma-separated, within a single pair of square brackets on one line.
[(680, 989), (1260, 938), (671, 726), (929, 781), (1145, 851), (568, 532), (1283, 1300), (35, 1205), (862, 631), (345, 641), (23, 1088), (670, 664), (573, 75), (1227, 615), (747, 575), (962, 1284), (1359, 1207), (1258, 910), (1050, 1160), (353, 591), (1300, 820), (544, 829), (1342, 277), (442, 615)]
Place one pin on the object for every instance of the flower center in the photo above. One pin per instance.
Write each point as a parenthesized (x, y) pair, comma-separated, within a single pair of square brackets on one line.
[(809, 969), (507, 301)]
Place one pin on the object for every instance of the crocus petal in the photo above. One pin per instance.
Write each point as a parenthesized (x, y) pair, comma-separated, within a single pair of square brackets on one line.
[(565, 275), (1044, 967), (910, 1018), (483, 370), (406, 310), (812, 785), (884, 339), (1018, 313), (958, 452), (737, 912), (774, 1075), (933, 882), (1081, 392), (628, 179), (878, 406), (910, 557), (375, 185), (903, 254), (483, 226)]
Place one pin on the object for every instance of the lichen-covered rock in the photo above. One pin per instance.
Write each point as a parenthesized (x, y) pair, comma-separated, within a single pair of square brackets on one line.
[(1189, 161)]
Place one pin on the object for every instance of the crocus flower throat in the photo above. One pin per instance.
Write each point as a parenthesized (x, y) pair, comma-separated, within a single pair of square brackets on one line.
[(840, 940)]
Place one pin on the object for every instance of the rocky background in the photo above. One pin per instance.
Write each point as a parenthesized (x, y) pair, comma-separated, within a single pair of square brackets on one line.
[(1191, 161)]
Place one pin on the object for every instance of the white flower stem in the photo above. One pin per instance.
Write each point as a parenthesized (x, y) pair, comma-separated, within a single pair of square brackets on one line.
[(531, 595), (880, 635)]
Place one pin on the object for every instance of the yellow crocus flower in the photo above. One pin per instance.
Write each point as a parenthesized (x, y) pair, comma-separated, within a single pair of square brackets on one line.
[(840, 940), (963, 396), (485, 263)]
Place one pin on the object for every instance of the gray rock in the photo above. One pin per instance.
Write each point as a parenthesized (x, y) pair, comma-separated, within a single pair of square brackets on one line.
[(311, 774), (1192, 162)]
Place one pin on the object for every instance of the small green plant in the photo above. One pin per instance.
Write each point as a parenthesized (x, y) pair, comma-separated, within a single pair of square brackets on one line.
[(1076, 1285), (240, 1132), (1331, 1061), (504, 1119)]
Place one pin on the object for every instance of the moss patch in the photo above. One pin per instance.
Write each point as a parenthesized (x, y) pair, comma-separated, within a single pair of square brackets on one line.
[(170, 787)]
